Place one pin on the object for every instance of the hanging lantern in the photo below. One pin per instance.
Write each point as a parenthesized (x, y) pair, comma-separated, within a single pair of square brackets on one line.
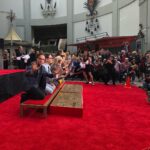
[(92, 26)]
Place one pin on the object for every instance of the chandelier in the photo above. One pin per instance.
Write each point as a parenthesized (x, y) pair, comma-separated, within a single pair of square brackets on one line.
[(49, 9), (92, 22)]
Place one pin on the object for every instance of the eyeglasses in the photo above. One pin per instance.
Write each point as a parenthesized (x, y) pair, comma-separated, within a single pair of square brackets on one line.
[(41, 58)]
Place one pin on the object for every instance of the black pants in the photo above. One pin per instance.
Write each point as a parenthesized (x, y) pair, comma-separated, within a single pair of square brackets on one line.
[(36, 93), (110, 75), (33, 93), (5, 64)]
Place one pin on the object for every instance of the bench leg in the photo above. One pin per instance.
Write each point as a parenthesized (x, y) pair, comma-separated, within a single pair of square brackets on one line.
[(21, 110), (45, 112)]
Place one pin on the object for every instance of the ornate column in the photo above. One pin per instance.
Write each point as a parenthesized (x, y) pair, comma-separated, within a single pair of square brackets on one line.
[(115, 19), (27, 18), (70, 8)]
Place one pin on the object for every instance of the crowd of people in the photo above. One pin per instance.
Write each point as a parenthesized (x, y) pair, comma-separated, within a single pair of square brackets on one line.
[(19, 58), (90, 66)]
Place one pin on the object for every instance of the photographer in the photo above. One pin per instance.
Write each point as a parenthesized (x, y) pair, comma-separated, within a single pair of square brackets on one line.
[(146, 84)]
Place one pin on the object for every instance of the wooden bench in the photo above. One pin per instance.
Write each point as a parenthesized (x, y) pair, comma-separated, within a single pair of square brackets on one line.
[(42, 104)]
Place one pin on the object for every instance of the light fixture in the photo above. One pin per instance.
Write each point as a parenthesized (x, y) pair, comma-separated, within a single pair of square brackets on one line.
[(49, 9), (11, 16), (92, 22)]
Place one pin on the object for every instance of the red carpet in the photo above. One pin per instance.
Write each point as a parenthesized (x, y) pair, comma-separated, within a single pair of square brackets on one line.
[(114, 118), (9, 71)]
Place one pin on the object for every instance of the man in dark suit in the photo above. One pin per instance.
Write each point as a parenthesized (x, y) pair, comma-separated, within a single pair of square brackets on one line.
[(37, 83)]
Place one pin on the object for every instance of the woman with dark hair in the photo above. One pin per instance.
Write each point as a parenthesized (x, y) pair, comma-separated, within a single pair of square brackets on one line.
[(87, 72), (89, 69)]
